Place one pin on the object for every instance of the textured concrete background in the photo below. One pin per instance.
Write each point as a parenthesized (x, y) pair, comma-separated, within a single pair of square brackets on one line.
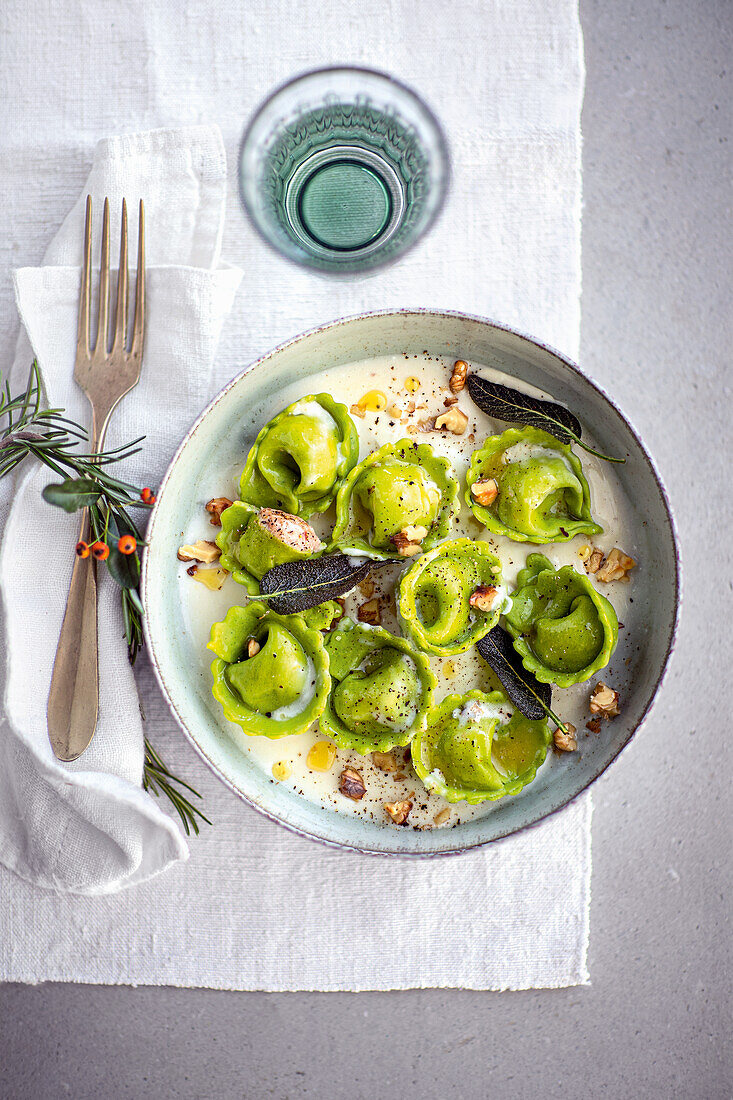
[(657, 332)]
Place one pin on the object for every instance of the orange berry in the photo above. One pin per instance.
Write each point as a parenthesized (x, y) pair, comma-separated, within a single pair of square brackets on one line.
[(100, 550), (127, 545), (82, 549), (147, 496)]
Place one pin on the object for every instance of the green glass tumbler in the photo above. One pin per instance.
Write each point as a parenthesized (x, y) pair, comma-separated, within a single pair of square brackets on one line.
[(343, 169)]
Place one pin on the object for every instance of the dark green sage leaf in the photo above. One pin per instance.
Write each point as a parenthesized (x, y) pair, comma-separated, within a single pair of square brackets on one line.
[(72, 494), (298, 585), (505, 403), (523, 689)]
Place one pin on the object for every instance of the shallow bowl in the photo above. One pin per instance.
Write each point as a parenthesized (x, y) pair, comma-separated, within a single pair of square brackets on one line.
[(639, 662)]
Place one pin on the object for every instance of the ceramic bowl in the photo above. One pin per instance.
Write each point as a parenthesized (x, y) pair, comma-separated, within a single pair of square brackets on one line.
[(215, 442)]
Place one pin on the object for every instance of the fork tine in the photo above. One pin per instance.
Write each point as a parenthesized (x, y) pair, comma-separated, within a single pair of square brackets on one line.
[(138, 330), (100, 348), (82, 331), (121, 317)]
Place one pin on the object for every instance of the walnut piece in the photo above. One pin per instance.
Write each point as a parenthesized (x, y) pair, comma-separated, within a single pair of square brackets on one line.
[(215, 507), (485, 491), (398, 812), (458, 377), (483, 597), (604, 701), (592, 559), (394, 410), (442, 815), (357, 410), (426, 425), (385, 761), (407, 542), (616, 567), (351, 784), (366, 587), (370, 612), (253, 647), (565, 741), (201, 550), (453, 421), (448, 401)]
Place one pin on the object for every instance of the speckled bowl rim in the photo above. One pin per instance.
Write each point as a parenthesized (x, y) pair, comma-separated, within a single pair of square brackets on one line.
[(668, 512)]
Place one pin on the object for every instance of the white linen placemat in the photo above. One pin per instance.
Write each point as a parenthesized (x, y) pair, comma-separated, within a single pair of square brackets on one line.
[(254, 907)]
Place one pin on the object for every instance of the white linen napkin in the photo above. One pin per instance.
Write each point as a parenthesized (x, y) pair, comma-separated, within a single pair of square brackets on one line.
[(88, 826), (256, 907)]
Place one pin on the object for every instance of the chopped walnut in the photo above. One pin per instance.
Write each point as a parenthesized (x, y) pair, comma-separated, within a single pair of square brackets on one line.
[(448, 401), (253, 647), (426, 425), (485, 491), (453, 421), (358, 410), (201, 550), (616, 567), (351, 784), (604, 701), (407, 542), (442, 815), (215, 507), (385, 761), (594, 560), (370, 612), (565, 740), (483, 597), (594, 725), (398, 812), (458, 377), (366, 587)]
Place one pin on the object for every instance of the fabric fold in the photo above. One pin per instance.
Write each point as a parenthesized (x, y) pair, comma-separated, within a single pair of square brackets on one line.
[(88, 827)]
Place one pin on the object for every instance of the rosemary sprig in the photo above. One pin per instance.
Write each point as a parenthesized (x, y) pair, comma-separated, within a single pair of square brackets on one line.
[(50, 437), (157, 780)]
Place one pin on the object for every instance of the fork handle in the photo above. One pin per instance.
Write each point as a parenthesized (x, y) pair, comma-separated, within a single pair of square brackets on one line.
[(73, 701)]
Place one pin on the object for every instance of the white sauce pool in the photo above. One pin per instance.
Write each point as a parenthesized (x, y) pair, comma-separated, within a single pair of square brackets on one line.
[(457, 674)]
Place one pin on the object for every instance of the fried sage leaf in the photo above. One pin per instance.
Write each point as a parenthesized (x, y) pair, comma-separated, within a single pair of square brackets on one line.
[(505, 403), (298, 585), (527, 693)]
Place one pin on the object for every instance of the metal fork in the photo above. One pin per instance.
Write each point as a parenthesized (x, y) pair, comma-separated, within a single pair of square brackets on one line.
[(105, 376)]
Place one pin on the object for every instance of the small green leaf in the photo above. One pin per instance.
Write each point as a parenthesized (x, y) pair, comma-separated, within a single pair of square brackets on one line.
[(124, 568), (72, 494)]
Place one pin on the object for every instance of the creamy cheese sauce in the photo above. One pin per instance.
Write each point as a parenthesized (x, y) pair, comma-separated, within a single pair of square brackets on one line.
[(455, 674)]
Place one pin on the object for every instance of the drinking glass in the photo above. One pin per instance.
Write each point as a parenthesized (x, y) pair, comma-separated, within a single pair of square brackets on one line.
[(343, 169)]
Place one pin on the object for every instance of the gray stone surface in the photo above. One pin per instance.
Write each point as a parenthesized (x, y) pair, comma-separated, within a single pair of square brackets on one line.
[(656, 1020)]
